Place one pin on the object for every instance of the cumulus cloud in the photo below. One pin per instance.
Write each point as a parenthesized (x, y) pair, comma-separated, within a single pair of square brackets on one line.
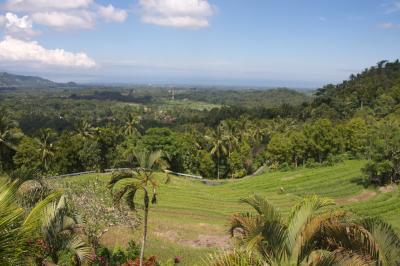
[(177, 13), (15, 50), (65, 20), (66, 14), (20, 27), (110, 13), (45, 5), (17, 45)]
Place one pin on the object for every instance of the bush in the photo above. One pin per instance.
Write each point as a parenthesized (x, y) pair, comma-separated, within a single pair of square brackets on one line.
[(118, 256), (66, 258), (103, 256), (284, 167), (133, 250), (310, 163)]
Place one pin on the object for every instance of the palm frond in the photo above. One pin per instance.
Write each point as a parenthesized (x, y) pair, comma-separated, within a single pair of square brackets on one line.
[(263, 208), (339, 258), (301, 215), (118, 176), (234, 258), (382, 242), (81, 250)]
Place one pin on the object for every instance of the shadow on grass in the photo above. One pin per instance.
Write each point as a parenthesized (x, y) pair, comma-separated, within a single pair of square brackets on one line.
[(361, 181)]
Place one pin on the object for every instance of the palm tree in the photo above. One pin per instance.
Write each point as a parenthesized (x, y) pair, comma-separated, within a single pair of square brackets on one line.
[(17, 230), (132, 125), (140, 178), (313, 237), (46, 149), (85, 129), (229, 134), (218, 146), (58, 232)]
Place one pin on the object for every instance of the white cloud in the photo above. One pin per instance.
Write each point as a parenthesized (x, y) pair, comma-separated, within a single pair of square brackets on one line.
[(66, 14), (65, 20), (19, 27), (110, 13), (15, 50), (389, 25), (45, 5), (177, 13)]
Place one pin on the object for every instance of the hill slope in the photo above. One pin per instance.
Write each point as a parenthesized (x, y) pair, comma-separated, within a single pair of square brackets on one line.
[(377, 88), (19, 81), (191, 218)]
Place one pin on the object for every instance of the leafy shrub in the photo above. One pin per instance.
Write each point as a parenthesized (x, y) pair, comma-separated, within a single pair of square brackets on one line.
[(310, 163), (133, 250), (102, 256), (66, 258), (118, 256)]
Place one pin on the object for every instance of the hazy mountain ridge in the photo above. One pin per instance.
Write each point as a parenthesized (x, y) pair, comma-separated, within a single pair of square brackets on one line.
[(8, 80)]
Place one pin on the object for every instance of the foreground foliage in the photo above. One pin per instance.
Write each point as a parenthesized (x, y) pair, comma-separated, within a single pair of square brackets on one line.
[(18, 230), (311, 236)]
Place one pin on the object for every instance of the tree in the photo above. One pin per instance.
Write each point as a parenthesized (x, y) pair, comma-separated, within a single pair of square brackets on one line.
[(28, 154), (85, 129), (323, 139), (9, 137), (279, 149), (46, 146), (218, 146), (140, 178), (17, 230), (311, 236), (384, 164), (132, 125)]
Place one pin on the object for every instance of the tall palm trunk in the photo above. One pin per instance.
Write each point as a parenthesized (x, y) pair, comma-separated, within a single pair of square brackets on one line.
[(146, 214), (218, 173)]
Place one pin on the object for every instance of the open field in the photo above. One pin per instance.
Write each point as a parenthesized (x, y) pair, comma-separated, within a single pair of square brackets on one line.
[(191, 218)]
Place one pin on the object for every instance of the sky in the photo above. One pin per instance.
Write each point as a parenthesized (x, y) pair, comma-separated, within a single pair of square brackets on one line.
[(267, 43)]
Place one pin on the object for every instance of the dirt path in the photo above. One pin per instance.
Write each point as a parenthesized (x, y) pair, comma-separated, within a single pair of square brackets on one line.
[(202, 240), (363, 196)]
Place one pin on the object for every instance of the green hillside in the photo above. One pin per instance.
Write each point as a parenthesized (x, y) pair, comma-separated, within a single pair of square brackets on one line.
[(11, 80), (192, 217)]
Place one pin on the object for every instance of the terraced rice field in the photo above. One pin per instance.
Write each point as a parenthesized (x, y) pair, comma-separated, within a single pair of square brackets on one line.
[(192, 218)]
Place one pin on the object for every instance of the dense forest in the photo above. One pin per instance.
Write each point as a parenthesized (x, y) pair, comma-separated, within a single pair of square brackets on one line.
[(52, 133), (215, 134)]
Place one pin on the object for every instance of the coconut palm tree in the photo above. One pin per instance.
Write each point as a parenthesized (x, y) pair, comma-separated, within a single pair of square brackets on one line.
[(132, 125), (218, 146), (229, 134), (58, 231), (141, 179), (46, 145), (85, 129), (17, 229), (310, 236)]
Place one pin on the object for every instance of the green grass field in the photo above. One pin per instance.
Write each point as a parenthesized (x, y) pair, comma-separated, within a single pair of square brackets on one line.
[(191, 219)]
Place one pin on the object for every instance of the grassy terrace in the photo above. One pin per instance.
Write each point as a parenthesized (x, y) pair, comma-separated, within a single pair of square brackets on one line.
[(191, 218)]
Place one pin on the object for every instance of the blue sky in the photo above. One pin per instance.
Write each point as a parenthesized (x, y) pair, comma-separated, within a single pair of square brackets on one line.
[(297, 43)]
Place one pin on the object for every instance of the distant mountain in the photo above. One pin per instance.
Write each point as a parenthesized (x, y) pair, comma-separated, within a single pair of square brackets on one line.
[(8, 80)]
